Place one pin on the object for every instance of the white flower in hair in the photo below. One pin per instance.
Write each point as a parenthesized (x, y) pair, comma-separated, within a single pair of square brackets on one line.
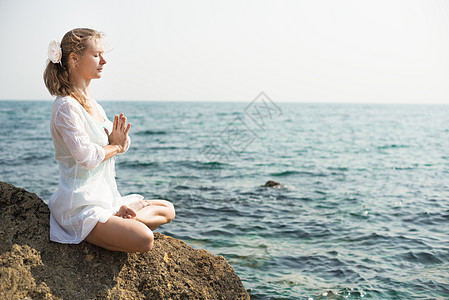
[(54, 52)]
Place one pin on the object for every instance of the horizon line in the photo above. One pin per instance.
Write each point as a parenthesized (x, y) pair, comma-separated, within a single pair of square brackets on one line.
[(243, 101)]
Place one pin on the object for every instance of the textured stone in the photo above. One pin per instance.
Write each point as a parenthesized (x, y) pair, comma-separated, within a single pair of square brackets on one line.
[(32, 267)]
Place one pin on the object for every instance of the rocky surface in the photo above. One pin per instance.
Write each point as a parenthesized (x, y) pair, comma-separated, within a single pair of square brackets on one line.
[(32, 267)]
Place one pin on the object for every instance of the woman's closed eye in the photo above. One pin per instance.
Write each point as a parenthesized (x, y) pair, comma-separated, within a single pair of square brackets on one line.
[(97, 54)]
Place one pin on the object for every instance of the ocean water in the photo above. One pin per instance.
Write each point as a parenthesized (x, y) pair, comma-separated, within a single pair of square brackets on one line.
[(363, 211)]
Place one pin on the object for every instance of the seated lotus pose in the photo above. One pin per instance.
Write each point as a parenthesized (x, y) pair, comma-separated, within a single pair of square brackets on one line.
[(87, 205)]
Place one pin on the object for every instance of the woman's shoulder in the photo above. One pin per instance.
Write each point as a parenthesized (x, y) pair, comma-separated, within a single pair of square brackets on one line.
[(64, 103), (64, 99)]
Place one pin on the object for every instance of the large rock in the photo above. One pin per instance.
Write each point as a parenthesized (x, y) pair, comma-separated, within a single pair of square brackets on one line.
[(33, 267)]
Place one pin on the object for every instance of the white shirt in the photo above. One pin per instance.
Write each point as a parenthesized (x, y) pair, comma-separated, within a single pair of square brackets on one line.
[(87, 191)]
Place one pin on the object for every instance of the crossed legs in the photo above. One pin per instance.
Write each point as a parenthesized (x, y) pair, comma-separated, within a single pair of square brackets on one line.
[(130, 229)]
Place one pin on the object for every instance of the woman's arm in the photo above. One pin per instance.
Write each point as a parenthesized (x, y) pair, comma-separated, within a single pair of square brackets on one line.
[(69, 123), (111, 150)]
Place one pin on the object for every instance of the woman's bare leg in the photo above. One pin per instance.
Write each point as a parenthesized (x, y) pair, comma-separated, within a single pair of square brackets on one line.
[(130, 230), (119, 234), (158, 213)]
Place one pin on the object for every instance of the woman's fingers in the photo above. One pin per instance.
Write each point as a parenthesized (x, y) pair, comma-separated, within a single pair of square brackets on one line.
[(127, 128), (120, 121), (124, 122), (121, 124), (115, 123)]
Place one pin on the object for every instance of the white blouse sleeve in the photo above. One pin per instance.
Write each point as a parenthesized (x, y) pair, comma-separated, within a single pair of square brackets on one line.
[(70, 125)]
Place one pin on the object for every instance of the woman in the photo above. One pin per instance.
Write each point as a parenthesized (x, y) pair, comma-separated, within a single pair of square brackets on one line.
[(87, 205)]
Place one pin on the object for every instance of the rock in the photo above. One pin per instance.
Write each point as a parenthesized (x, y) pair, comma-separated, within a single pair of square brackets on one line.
[(32, 267), (273, 184)]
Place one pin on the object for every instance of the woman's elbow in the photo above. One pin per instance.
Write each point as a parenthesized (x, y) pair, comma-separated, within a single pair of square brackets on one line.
[(89, 164), (92, 160)]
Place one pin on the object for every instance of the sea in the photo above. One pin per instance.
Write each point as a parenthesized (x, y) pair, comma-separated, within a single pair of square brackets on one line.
[(361, 209)]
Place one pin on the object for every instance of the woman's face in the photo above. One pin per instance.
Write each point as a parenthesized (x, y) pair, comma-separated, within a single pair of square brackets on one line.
[(90, 65)]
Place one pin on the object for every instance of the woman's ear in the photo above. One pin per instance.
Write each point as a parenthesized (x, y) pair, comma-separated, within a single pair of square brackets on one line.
[(73, 59)]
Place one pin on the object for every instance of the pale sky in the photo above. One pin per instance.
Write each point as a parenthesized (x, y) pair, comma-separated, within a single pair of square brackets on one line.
[(393, 51)]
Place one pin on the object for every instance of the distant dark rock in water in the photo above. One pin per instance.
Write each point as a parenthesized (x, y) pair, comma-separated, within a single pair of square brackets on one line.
[(273, 184), (32, 267)]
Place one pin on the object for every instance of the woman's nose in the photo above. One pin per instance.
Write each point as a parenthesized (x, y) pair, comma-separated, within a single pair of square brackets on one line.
[(102, 60)]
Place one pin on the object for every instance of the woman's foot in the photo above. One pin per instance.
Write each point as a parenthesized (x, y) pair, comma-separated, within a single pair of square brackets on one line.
[(130, 211)]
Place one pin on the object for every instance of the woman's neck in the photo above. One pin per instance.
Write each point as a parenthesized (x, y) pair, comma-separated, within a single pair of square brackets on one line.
[(82, 85)]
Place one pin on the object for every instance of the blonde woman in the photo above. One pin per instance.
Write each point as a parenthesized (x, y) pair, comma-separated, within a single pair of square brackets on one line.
[(87, 205)]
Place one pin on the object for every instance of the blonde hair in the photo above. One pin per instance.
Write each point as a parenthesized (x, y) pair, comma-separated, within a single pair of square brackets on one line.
[(56, 76)]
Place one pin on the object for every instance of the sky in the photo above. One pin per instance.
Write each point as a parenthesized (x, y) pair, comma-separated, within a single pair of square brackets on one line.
[(295, 51)]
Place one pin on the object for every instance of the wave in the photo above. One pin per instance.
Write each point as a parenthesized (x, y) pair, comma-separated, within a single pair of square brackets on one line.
[(288, 173), (39, 138), (136, 164), (343, 169), (166, 148), (27, 158), (392, 146), (425, 258), (217, 232), (200, 164), (151, 132)]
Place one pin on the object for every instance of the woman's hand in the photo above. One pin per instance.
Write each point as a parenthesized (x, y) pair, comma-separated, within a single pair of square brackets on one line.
[(120, 130)]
